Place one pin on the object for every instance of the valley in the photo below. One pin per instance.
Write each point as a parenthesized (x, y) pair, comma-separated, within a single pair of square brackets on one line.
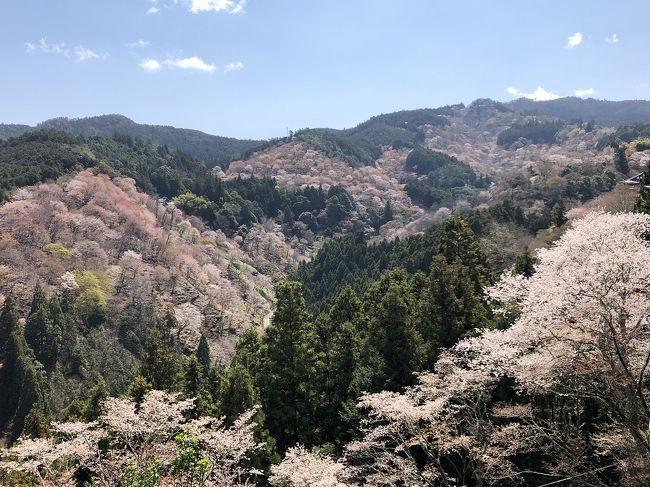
[(319, 276)]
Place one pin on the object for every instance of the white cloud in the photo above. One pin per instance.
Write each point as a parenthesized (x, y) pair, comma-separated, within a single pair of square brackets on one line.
[(643, 86), (540, 94), (137, 44), (613, 39), (585, 93), (153, 10), (193, 62), (574, 40), (150, 65), (80, 53), (238, 66), (43, 46), (228, 6), (85, 54)]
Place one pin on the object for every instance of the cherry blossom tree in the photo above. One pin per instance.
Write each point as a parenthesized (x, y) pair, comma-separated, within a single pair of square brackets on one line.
[(131, 438), (582, 333), (302, 468)]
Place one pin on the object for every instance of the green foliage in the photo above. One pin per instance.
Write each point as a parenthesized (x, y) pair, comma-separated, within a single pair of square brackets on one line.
[(536, 132), (361, 145), (626, 134), (350, 261), (23, 379), (525, 263), (287, 363), (37, 423), (39, 156), (57, 249), (338, 346), (642, 204), (90, 304), (422, 160), (192, 377), (603, 112), (620, 159), (392, 332), (214, 150), (190, 464), (238, 393), (139, 388), (203, 354), (427, 293), (443, 173), (43, 335), (558, 216), (160, 365), (450, 306), (146, 473), (8, 324), (642, 144), (458, 243), (195, 205)]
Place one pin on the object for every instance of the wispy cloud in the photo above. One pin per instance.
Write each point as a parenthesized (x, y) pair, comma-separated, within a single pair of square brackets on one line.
[(80, 53), (192, 63), (227, 6), (153, 10), (613, 39), (238, 66), (85, 54), (138, 44), (43, 46), (585, 93), (151, 65), (540, 94), (574, 40)]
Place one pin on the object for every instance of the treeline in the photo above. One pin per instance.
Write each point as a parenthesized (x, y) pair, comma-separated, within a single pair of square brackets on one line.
[(231, 205), (361, 145), (213, 150), (226, 205), (625, 134), (351, 261), (443, 173), (536, 132), (37, 157), (309, 370)]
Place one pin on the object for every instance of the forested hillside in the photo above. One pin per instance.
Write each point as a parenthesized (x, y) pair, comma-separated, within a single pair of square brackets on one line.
[(602, 112), (454, 296), (212, 149)]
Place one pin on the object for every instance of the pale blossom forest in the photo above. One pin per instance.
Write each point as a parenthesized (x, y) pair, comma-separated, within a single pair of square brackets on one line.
[(434, 297)]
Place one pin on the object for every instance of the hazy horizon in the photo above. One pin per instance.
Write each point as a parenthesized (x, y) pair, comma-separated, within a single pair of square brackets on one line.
[(244, 137)]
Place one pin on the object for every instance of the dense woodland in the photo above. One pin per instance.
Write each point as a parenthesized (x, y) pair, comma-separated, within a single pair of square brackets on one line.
[(443, 358), (212, 149), (361, 145)]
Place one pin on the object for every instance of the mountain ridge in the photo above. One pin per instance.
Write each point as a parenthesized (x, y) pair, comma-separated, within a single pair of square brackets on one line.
[(212, 149), (216, 150)]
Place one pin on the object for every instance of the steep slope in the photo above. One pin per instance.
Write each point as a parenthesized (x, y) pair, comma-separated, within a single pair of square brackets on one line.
[(569, 165), (90, 229), (297, 164), (212, 149)]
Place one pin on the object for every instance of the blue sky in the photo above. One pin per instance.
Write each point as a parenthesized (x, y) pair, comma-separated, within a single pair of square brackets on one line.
[(254, 68)]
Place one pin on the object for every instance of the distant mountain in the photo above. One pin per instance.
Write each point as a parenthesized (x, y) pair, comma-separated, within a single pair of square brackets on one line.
[(213, 150), (602, 112), (9, 130)]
